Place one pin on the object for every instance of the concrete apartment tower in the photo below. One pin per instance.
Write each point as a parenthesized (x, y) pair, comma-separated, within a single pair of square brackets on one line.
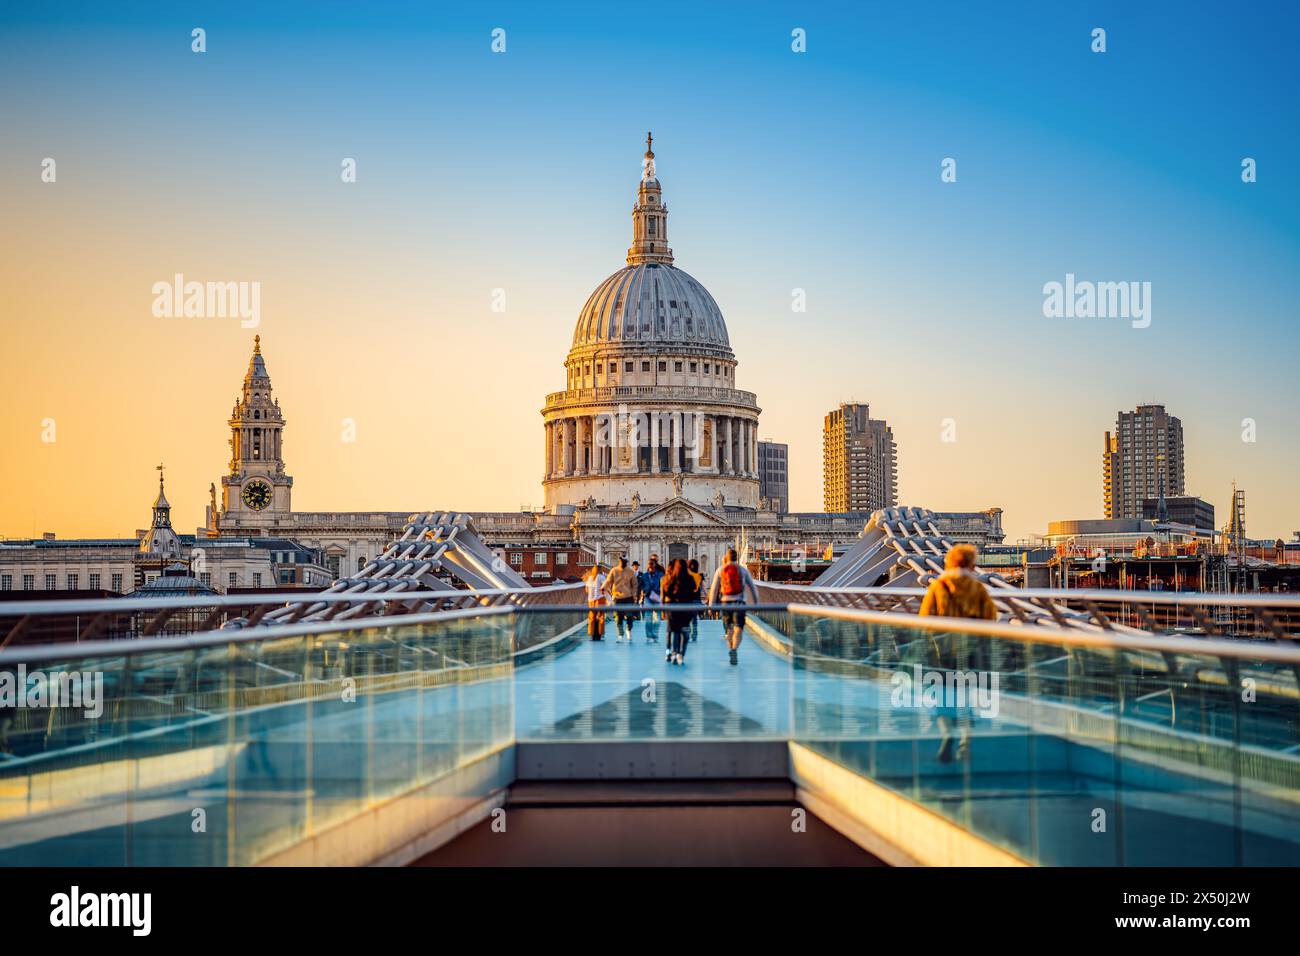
[(859, 471), (1146, 447)]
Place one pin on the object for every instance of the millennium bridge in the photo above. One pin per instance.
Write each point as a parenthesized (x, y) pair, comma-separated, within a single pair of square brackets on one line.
[(434, 710)]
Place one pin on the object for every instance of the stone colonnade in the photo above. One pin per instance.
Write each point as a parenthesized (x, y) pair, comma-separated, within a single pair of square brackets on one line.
[(628, 443)]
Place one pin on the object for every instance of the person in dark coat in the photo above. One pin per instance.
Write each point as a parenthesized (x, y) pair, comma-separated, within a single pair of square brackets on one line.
[(679, 587)]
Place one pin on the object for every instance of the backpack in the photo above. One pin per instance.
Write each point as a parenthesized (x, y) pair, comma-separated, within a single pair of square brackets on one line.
[(731, 579)]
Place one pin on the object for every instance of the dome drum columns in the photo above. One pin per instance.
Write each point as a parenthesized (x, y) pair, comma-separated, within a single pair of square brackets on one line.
[(650, 444)]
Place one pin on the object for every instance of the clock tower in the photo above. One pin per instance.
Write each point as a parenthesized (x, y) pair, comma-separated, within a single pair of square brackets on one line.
[(256, 490)]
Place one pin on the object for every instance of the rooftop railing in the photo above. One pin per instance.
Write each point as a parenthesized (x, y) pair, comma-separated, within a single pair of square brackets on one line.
[(606, 393)]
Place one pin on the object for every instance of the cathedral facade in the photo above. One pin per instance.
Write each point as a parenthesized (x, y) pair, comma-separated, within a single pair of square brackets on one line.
[(650, 448)]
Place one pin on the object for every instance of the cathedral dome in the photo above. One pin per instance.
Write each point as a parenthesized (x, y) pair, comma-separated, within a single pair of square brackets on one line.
[(650, 411), (649, 304)]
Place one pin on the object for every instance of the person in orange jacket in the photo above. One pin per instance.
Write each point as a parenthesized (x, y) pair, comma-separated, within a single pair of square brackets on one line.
[(955, 593), (958, 592)]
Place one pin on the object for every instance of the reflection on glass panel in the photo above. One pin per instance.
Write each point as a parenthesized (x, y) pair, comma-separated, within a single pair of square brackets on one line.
[(1061, 752), (228, 752)]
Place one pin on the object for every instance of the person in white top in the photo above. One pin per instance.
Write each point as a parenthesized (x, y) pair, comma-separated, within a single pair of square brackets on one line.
[(595, 582)]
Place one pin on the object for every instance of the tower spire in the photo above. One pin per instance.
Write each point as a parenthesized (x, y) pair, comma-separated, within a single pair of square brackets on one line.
[(161, 503), (256, 481), (160, 539)]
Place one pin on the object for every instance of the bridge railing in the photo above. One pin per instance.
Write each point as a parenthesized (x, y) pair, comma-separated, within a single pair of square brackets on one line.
[(267, 736), (1225, 615), (1056, 745), (52, 621), (259, 737)]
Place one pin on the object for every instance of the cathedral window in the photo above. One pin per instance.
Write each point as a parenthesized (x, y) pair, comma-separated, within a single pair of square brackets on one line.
[(663, 366)]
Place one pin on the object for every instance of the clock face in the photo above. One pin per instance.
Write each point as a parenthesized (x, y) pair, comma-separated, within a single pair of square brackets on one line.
[(257, 495)]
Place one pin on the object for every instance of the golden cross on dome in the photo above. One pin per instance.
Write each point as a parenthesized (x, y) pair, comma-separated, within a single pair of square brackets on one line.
[(257, 345), (648, 163)]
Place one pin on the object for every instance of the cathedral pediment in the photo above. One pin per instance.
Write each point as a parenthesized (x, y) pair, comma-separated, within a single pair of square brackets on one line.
[(676, 513)]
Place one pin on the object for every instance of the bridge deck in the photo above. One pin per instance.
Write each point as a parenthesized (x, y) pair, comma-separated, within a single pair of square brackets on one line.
[(604, 690)]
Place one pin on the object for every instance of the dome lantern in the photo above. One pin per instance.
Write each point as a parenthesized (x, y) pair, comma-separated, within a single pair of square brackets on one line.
[(649, 216)]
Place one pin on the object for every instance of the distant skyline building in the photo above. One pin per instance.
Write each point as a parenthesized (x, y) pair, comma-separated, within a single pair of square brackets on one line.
[(859, 467), (1181, 509), (1147, 443), (158, 561), (774, 475)]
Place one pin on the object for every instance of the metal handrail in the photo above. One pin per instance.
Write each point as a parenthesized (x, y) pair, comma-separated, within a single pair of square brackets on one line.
[(1175, 598), (1035, 634), (1028, 633), (126, 604), (219, 638)]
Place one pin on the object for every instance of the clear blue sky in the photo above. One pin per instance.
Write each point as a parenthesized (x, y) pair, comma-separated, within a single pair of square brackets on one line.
[(817, 171)]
